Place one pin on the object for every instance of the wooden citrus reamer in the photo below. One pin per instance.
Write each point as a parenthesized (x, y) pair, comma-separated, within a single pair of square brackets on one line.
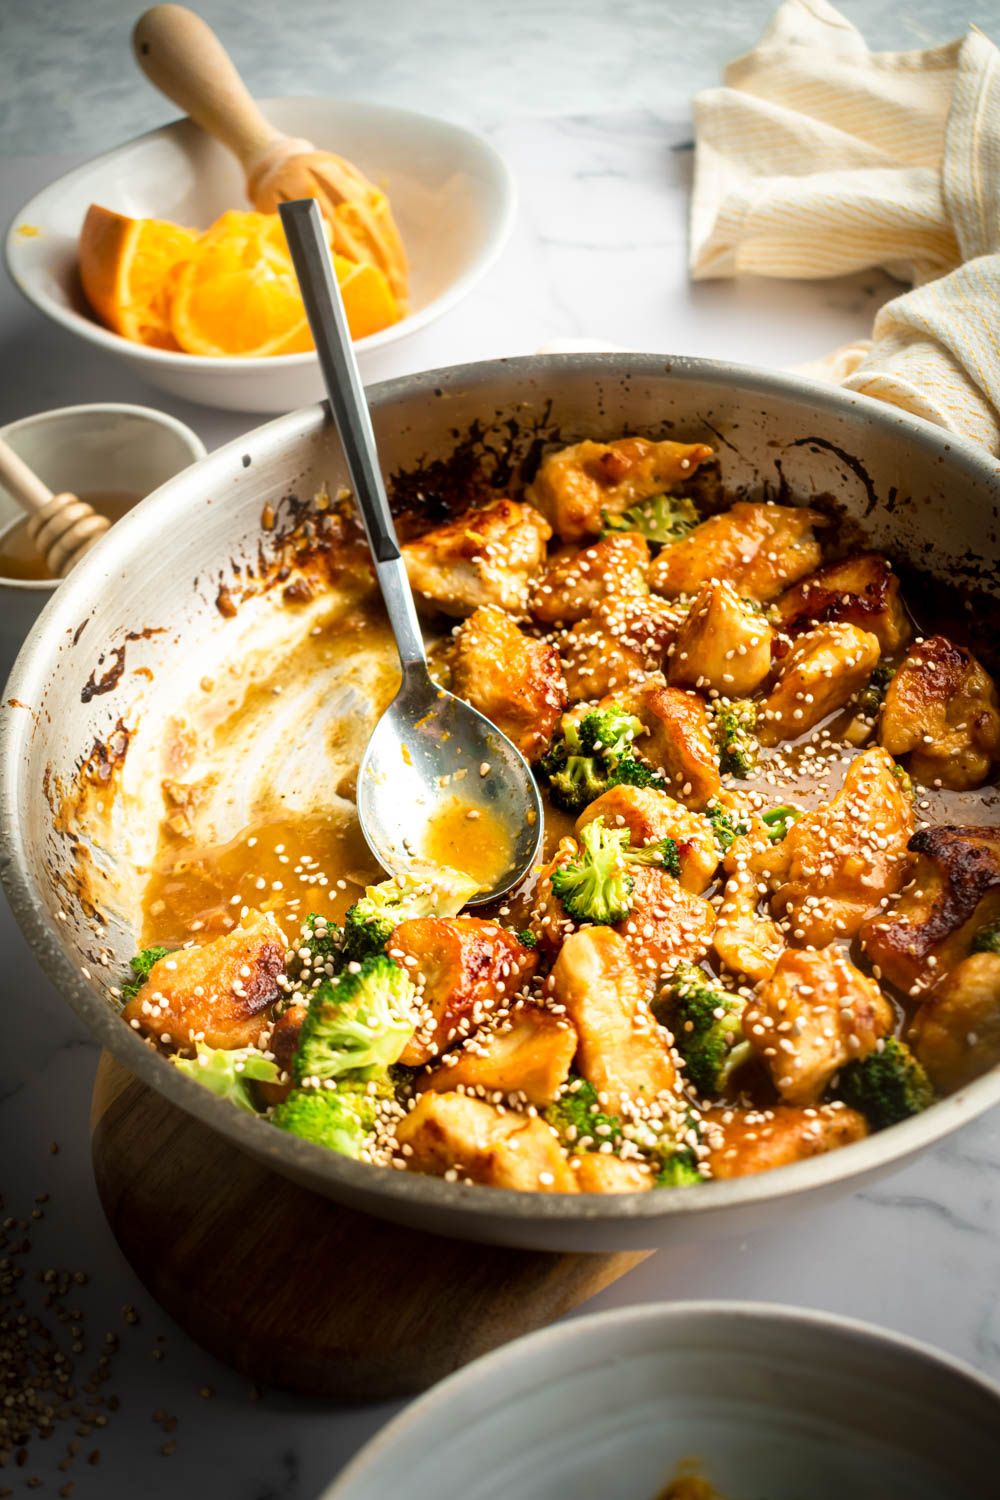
[(185, 60), (61, 527)]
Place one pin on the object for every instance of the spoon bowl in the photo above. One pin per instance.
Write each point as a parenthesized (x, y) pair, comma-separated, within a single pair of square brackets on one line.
[(434, 765), (434, 769)]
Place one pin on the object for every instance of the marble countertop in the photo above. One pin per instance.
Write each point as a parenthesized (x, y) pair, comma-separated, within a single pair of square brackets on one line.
[(590, 105)]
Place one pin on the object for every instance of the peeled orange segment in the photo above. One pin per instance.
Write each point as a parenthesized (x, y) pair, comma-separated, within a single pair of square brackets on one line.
[(368, 300), (128, 268)]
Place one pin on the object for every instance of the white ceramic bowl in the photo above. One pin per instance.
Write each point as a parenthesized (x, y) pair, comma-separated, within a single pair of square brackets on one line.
[(775, 1402), (452, 194), (104, 447)]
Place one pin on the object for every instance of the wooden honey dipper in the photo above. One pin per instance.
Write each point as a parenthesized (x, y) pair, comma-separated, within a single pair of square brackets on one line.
[(61, 527), (185, 60)]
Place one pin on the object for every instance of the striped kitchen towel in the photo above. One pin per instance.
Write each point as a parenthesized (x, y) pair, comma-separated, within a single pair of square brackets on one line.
[(820, 157)]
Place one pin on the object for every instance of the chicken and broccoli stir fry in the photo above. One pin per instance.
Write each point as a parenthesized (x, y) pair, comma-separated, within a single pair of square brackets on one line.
[(747, 943)]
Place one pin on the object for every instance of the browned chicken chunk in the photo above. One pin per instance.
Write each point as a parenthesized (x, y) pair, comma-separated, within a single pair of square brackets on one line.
[(515, 681), (528, 1052), (283, 1043), (678, 740), (614, 567), (816, 1013), (456, 1135), (220, 993), (598, 1172), (620, 642), (956, 1034), (862, 590), (941, 709), (548, 920), (487, 556), (724, 644), (666, 923), (759, 549), (622, 1051), (576, 486), (953, 891), (463, 968), (651, 816), (824, 670), (746, 1141), (835, 865)]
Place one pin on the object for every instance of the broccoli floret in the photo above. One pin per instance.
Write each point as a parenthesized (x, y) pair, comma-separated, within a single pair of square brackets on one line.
[(341, 1119), (577, 1117), (779, 820), (358, 1023), (596, 886), (140, 966), (526, 937), (679, 1169), (229, 1073), (608, 732), (370, 922), (631, 772), (887, 1086), (872, 696), (318, 949), (664, 855), (661, 519), (706, 1022), (726, 826), (987, 939), (577, 783), (734, 726), (591, 754)]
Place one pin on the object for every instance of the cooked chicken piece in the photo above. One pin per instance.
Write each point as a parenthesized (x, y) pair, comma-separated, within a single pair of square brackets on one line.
[(759, 549), (836, 864), (620, 642), (679, 742), (622, 1051), (816, 1013), (528, 1052), (454, 1133), (954, 890), (746, 1141), (746, 942), (724, 643), (956, 1034), (941, 709), (515, 681), (823, 671), (613, 568), (463, 968), (220, 993), (283, 1044), (548, 920), (597, 1172), (862, 590), (574, 487), (651, 816), (666, 923), (488, 556)]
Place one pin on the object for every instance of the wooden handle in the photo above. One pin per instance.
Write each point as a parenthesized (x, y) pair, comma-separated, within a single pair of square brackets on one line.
[(22, 483), (181, 55)]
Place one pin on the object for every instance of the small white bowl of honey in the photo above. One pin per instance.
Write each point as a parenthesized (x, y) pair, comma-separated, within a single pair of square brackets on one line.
[(111, 455)]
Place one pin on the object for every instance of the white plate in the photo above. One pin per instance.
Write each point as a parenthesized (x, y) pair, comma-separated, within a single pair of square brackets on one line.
[(452, 194), (778, 1403)]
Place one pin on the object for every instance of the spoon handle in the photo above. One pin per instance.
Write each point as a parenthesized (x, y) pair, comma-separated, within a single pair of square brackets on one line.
[(303, 224)]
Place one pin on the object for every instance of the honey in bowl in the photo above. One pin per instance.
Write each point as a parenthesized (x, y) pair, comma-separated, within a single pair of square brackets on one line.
[(19, 558)]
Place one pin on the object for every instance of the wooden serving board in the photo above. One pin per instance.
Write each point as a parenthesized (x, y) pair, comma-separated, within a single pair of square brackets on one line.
[(293, 1290)]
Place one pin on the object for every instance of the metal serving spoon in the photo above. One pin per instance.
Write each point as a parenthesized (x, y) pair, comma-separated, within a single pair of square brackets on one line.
[(430, 752)]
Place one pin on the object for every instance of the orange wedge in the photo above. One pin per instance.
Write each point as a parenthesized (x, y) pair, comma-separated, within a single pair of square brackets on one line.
[(128, 267), (238, 295)]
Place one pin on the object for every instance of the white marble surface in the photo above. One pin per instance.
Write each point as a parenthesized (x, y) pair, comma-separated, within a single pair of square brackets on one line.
[(589, 103)]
